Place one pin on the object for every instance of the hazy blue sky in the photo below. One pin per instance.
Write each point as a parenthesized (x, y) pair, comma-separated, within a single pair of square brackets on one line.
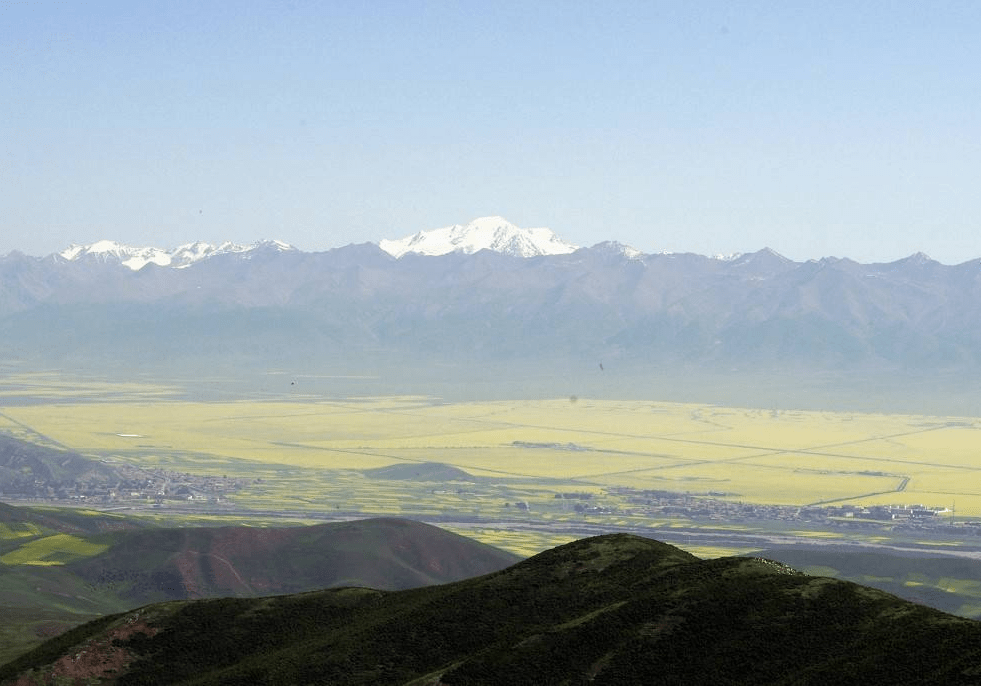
[(815, 128)]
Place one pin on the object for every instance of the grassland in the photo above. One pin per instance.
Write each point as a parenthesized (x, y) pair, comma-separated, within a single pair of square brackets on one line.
[(38, 598), (305, 454), (16, 532), (52, 550)]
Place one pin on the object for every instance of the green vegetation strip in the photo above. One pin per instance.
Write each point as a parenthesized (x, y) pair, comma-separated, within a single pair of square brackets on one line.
[(52, 550)]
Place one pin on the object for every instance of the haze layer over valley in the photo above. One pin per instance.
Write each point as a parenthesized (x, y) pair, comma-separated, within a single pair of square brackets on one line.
[(488, 310)]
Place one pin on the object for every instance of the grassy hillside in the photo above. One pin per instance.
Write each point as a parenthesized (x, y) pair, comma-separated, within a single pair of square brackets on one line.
[(26, 522), (173, 564), (420, 471), (20, 459), (51, 580), (951, 584), (607, 610), (39, 596)]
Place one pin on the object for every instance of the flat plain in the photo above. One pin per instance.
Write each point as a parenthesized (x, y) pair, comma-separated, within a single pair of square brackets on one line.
[(306, 455), (522, 475)]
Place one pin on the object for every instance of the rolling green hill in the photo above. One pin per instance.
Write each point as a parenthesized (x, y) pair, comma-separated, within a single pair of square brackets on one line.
[(388, 554), (46, 520), (614, 609), (60, 568), (40, 597), (420, 471)]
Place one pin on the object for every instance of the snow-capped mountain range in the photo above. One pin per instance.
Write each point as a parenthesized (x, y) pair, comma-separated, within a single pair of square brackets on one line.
[(467, 296), (487, 233), (183, 256)]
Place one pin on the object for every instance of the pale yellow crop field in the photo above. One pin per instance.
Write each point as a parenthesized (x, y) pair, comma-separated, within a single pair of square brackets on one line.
[(760, 456), (519, 541), (52, 550), (53, 386), (18, 531)]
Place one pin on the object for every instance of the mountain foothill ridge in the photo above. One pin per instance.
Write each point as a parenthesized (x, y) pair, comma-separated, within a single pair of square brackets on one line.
[(611, 609)]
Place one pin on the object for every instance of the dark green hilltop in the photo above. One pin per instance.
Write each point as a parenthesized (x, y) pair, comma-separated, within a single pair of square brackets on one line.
[(614, 609), (138, 566), (947, 582)]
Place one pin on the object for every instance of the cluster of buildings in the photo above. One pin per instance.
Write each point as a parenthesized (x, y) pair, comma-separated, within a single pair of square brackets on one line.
[(714, 507), (127, 485)]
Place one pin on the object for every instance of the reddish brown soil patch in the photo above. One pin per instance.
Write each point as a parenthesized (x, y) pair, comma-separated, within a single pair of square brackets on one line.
[(209, 563), (97, 658)]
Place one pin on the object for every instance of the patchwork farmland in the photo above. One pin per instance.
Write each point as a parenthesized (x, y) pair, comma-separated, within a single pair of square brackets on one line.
[(536, 466)]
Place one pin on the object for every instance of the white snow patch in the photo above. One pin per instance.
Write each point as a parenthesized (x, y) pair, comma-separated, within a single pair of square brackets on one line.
[(136, 258), (485, 233)]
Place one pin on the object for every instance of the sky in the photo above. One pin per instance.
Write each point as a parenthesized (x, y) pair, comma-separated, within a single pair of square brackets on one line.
[(813, 128)]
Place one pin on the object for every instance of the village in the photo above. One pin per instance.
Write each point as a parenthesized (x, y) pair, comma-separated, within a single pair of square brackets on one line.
[(713, 508), (138, 488), (129, 485)]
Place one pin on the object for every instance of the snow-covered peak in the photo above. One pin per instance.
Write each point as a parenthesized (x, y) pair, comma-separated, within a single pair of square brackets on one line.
[(917, 259), (183, 256), (104, 248), (107, 251), (618, 248), (486, 233)]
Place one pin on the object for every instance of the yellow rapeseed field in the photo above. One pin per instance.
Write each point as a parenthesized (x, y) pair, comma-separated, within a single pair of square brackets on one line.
[(753, 455)]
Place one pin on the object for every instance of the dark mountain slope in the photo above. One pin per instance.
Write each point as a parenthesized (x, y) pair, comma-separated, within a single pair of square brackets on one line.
[(608, 610), (947, 582), (760, 307), (420, 471), (173, 564), (22, 460), (135, 567)]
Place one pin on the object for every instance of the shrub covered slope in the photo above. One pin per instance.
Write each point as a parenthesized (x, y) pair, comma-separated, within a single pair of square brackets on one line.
[(607, 610)]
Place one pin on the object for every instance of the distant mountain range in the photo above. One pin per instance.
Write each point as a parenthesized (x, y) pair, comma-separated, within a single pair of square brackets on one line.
[(614, 609), (495, 234), (487, 233), (182, 256), (518, 306)]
